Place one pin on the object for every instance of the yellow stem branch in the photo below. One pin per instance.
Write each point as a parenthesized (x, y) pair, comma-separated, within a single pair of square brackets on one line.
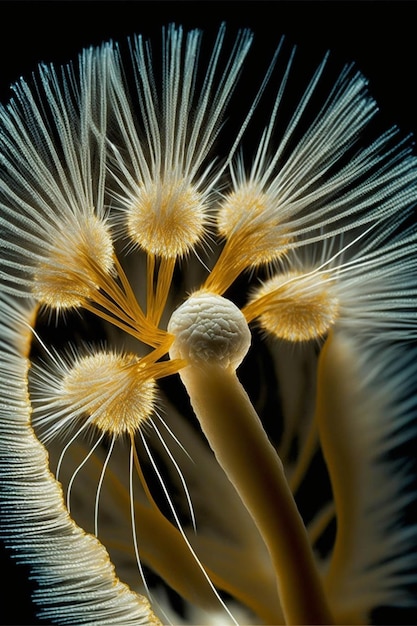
[(165, 273), (230, 264)]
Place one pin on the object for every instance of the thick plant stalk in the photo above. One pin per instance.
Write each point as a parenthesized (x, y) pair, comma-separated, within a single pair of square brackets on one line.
[(337, 375), (236, 435)]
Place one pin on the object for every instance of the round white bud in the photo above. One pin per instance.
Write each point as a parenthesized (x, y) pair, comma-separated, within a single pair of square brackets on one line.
[(209, 329)]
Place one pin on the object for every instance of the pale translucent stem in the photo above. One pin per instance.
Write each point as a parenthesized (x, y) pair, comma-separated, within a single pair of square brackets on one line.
[(236, 435), (162, 545), (320, 523), (306, 456), (336, 380)]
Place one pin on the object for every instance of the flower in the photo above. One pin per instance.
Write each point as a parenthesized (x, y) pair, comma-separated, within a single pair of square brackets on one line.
[(109, 199), (313, 186), (367, 284), (53, 216), (166, 181)]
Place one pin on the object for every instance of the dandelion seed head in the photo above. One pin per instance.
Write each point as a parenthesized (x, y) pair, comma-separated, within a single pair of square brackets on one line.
[(238, 206), (209, 329), (247, 212), (112, 390), (68, 273), (119, 396), (167, 218), (297, 307)]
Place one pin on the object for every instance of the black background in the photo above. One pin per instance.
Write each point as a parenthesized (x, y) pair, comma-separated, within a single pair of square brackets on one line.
[(380, 37)]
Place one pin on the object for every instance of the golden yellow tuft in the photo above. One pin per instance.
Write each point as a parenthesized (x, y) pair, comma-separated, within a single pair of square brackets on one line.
[(70, 271), (254, 234), (167, 219), (294, 306), (239, 207), (248, 218), (113, 390)]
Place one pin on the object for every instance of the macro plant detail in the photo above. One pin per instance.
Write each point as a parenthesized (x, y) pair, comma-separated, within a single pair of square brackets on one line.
[(130, 449)]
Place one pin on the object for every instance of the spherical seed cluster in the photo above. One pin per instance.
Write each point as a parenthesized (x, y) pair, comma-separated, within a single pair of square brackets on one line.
[(247, 217), (209, 329), (167, 218), (239, 206), (69, 272), (112, 390), (296, 307)]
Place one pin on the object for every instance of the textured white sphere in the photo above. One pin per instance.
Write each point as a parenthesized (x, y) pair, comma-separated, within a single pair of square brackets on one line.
[(209, 329)]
